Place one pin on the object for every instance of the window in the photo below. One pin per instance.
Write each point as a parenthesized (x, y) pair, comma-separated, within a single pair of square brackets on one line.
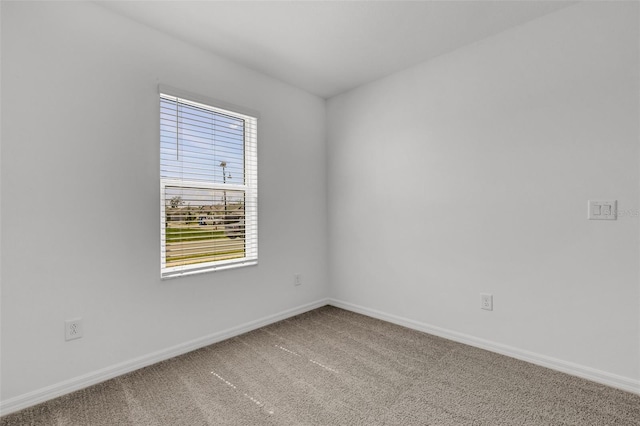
[(208, 184)]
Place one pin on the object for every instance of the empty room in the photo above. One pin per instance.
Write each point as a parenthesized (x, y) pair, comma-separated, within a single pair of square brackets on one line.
[(320, 213)]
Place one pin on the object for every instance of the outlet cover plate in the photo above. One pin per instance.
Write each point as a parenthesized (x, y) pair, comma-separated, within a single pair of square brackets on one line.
[(486, 301), (73, 329)]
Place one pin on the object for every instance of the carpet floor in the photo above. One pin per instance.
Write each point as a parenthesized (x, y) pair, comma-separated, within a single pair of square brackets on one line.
[(334, 367)]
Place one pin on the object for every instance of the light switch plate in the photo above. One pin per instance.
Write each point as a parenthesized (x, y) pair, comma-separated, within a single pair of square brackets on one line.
[(602, 210)]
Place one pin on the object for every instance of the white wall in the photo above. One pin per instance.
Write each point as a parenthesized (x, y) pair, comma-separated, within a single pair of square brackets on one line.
[(471, 173), (80, 195)]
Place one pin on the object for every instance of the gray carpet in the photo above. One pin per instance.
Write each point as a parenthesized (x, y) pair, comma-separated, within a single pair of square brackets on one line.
[(334, 367)]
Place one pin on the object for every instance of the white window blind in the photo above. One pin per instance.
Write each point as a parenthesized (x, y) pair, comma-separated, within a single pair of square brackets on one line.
[(209, 184)]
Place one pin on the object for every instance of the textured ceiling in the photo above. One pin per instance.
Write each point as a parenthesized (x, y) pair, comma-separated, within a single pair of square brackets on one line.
[(328, 47)]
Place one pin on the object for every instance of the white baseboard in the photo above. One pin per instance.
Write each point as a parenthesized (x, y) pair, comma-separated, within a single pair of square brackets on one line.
[(77, 383), (95, 377), (603, 377)]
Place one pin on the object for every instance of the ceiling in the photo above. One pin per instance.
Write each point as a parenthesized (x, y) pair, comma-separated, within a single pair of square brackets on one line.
[(328, 47)]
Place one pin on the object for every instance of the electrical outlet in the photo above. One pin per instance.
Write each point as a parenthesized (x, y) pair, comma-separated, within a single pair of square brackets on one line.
[(297, 279), (486, 301), (73, 329)]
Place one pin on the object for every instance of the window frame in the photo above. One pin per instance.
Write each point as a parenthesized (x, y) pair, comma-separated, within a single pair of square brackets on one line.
[(249, 187)]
